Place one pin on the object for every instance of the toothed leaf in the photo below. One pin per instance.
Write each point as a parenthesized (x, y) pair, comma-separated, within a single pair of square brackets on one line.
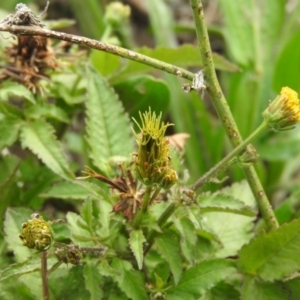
[(200, 278), (136, 241), (39, 137), (108, 127), (274, 255)]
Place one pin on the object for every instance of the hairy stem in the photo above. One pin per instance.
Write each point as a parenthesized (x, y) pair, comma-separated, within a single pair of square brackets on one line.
[(215, 92), (220, 166), (44, 275), (146, 200), (119, 51)]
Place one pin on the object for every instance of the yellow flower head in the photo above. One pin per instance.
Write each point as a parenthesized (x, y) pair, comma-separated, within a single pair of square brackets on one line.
[(152, 160), (284, 112)]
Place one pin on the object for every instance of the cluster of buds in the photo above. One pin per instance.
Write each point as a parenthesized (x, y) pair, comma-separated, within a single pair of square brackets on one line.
[(284, 112), (152, 161), (37, 233)]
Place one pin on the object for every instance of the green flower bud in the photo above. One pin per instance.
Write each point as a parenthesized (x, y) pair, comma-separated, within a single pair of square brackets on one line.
[(152, 160), (169, 179), (116, 14), (37, 233)]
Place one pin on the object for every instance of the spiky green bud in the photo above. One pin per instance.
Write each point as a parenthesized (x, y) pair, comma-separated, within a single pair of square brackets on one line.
[(153, 165)]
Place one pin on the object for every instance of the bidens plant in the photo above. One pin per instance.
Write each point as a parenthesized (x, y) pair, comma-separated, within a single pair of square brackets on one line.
[(140, 223)]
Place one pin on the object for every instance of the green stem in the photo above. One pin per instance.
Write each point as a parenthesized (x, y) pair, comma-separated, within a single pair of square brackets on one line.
[(215, 92), (119, 51), (107, 32), (146, 200), (160, 222), (155, 194), (220, 166)]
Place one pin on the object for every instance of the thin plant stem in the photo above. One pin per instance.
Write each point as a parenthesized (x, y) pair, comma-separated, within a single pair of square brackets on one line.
[(90, 43), (160, 222), (217, 97), (155, 194), (146, 200), (220, 166), (44, 275)]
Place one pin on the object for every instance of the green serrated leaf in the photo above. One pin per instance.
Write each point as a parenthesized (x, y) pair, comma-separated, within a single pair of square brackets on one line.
[(208, 236), (39, 137), (16, 89), (28, 266), (202, 277), (220, 202), (72, 190), (92, 280), (130, 281), (86, 211), (168, 247), (188, 237), (108, 128), (106, 270), (80, 235), (68, 283), (93, 189), (260, 290), (14, 289), (37, 288), (222, 291), (136, 241), (12, 228), (48, 111), (233, 230), (9, 128), (104, 217), (274, 255)]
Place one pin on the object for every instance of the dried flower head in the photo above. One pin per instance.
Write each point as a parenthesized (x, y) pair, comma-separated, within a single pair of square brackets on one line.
[(69, 254), (125, 188), (284, 112), (31, 58), (152, 159), (37, 233)]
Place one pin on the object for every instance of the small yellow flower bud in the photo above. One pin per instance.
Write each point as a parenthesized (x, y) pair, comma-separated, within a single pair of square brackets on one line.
[(284, 112), (37, 233)]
